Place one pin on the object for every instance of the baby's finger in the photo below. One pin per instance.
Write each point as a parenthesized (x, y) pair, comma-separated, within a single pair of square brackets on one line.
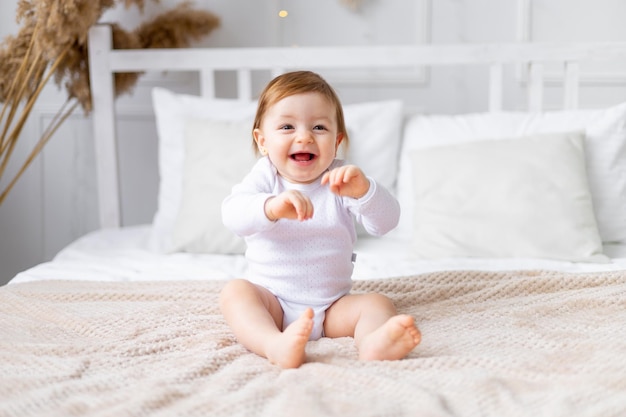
[(303, 206), (308, 212), (349, 173), (335, 176)]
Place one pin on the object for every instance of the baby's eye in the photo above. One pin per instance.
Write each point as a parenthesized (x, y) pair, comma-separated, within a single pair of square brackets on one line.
[(286, 127), (319, 127)]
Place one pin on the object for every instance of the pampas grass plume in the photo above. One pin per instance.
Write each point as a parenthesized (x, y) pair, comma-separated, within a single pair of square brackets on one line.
[(52, 44)]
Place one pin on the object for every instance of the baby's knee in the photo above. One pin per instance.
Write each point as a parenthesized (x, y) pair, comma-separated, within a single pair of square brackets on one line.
[(380, 301), (233, 289)]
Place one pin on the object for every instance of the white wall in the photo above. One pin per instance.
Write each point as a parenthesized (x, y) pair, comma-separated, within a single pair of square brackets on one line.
[(55, 201)]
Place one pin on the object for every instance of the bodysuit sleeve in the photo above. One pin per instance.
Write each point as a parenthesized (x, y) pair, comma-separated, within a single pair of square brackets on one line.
[(378, 211), (243, 210)]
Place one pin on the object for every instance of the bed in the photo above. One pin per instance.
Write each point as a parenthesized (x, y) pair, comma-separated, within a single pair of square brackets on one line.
[(510, 253)]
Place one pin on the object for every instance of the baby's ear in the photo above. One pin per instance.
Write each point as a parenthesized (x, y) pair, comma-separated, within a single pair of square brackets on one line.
[(257, 134), (338, 142)]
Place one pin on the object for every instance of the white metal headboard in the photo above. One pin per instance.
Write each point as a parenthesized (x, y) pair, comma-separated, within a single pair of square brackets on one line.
[(105, 61)]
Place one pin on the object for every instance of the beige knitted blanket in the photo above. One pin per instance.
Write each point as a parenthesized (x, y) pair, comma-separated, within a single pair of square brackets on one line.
[(494, 344)]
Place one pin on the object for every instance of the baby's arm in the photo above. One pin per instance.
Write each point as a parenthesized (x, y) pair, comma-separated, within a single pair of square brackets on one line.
[(373, 205), (291, 204), (243, 210), (347, 181)]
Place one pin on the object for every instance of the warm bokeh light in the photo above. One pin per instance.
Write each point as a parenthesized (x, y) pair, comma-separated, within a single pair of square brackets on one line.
[(283, 13)]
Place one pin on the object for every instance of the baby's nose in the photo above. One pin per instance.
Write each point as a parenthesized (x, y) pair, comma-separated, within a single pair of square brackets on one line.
[(304, 137)]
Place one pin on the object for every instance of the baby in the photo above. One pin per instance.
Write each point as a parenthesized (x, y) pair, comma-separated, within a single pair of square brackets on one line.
[(296, 211)]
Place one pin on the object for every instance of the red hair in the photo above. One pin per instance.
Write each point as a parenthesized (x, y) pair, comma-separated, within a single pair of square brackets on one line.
[(298, 82)]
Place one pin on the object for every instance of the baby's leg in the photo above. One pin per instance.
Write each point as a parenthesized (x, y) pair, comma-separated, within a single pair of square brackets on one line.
[(379, 332), (255, 316)]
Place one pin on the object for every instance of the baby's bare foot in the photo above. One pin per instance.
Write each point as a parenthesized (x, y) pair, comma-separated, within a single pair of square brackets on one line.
[(393, 340), (288, 350)]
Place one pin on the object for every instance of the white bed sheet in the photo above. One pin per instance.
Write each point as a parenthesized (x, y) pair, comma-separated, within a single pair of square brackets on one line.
[(123, 255)]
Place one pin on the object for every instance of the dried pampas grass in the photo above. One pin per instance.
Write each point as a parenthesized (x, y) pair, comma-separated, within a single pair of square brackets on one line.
[(52, 44), (175, 28)]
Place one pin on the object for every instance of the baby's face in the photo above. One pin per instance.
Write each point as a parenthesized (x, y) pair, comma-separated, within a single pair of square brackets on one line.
[(300, 136)]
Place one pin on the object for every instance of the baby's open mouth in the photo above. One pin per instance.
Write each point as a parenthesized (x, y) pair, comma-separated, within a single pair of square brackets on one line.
[(303, 156)]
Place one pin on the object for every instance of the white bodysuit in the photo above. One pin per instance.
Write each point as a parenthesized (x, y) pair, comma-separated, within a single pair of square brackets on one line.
[(309, 263)]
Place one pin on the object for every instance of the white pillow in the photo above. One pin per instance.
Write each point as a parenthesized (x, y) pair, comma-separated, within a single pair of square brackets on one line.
[(375, 130), (172, 111), (605, 153), (218, 154), (524, 198)]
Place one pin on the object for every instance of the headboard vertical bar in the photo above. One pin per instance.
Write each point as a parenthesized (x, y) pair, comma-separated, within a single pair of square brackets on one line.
[(495, 87), (244, 84), (104, 129), (571, 83), (207, 83), (535, 87)]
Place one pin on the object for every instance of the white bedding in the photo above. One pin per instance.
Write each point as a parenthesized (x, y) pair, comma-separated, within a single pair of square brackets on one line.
[(120, 255)]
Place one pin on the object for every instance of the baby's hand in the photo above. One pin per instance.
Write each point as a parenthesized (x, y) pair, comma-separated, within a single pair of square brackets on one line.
[(290, 204), (347, 180)]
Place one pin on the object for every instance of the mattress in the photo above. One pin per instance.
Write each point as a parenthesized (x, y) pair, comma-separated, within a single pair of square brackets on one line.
[(122, 255)]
